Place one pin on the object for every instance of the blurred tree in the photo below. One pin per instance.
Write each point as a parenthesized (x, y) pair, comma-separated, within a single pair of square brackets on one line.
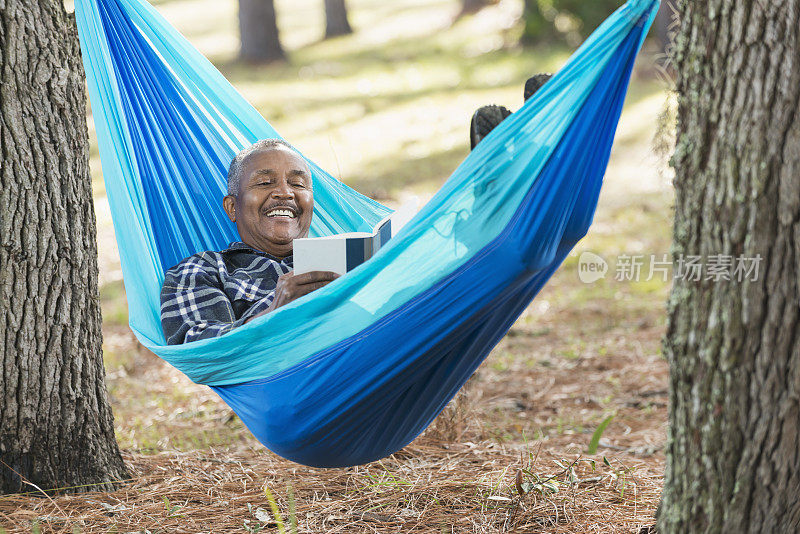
[(571, 19), (734, 347), (473, 6), (336, 22), (258, 29), (470, 7), (536, 27), (56, 427)]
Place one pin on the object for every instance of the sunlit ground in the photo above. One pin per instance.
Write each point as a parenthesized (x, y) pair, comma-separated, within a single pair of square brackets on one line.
[(387, 110)]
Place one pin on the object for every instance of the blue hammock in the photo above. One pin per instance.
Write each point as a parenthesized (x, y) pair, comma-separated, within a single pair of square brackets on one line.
[(355, 371)]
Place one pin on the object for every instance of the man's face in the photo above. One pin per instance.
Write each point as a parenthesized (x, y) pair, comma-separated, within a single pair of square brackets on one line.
[(275, 201)]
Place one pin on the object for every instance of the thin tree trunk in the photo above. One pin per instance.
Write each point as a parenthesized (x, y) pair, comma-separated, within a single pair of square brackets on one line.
[(336, 22), (535, 27), (472, 6), (258, 28), (733, 454), (56, 427)]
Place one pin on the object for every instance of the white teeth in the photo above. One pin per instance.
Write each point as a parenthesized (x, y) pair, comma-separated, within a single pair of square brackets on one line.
[(280, 212)]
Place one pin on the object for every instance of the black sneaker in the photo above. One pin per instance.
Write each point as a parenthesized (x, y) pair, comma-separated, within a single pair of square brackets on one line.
[(484, 121), (535, 83), (488, 117)]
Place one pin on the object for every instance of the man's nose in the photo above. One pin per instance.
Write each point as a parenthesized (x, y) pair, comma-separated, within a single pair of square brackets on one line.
[(283, 190)]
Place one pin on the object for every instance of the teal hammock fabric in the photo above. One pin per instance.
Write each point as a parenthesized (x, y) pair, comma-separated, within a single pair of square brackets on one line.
[(356, 370)]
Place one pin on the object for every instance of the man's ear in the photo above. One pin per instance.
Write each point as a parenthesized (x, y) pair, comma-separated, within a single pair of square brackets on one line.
[(229, 205)]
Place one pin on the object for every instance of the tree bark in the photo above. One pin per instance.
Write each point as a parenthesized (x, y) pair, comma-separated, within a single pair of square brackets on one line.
[(733, 460), (336, 22), (56, 426), (258, 28)]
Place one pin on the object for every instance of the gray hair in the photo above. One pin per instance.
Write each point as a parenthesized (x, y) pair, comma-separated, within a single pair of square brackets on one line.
[(235, 170)]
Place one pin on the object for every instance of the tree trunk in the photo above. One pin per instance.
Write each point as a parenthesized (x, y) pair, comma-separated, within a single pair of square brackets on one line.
[(56, 427), (336, 19), (733, 460), (535, 27), (472, 6), (258, 28)]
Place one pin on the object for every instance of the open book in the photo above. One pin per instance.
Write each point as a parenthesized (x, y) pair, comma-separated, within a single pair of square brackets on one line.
[(341, 252)]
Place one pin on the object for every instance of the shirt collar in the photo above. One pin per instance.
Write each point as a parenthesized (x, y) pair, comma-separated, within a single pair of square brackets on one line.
[(238, 246)]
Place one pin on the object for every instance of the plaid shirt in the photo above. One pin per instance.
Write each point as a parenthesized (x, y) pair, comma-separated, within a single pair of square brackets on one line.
[(211, 293)]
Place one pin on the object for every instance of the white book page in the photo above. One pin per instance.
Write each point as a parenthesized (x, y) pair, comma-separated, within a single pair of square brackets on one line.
[(314, 254), (329, 253)]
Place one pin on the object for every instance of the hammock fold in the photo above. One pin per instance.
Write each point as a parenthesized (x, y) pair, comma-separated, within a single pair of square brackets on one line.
[(358, 369)]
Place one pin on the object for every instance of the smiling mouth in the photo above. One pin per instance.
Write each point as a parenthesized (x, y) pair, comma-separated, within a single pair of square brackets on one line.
[(281, 212)]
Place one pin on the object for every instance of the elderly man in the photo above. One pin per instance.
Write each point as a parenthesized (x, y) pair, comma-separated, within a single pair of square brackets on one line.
[(271, 200)]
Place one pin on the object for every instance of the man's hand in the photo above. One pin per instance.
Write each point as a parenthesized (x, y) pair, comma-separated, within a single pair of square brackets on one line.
[(291, 287)]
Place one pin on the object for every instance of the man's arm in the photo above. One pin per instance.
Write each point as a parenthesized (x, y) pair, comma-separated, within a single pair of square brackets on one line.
[(194, 306)]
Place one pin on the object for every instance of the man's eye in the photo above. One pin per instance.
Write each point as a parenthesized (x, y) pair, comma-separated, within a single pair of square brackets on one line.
[(298, 184)]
